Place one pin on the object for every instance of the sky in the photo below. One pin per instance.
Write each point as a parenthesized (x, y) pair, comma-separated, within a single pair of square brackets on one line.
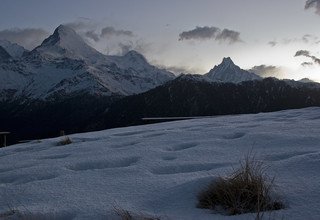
[(270, 37)]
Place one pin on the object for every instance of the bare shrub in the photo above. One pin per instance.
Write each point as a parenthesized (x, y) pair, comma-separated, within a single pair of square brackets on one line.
[(64, 141), (248, 189)]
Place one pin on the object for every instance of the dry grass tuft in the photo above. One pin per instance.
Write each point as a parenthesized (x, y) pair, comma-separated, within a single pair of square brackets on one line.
[(64, 141), (248, 189)]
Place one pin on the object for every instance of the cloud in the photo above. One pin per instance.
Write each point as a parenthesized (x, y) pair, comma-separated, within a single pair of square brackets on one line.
[(86, 28), (313, 4), (229, 35), (302, 53), (111, 31), (307, 53), (307, 39), (92, 35), (27, 37), (307, 64), (200, 33), (138, 45), (83, 25), (267, 70), (180, 69), (272, 43), (207, 33)]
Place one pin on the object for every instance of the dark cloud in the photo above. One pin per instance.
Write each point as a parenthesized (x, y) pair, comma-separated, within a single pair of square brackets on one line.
[(207, 33), (272, 43), (111, 31), (302, 53), (200, 33), (306, 53), (229, 35), (306, 64), (313, 4), (266, 70), (27, 37)]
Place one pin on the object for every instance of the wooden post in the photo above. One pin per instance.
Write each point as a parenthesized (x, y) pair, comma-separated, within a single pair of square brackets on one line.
[(3, 137)]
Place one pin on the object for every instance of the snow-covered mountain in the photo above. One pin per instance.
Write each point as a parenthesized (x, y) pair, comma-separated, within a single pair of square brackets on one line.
[(65, 65), (65, 42), (306, 80), (227, 71), (4, 55), (13, 49)]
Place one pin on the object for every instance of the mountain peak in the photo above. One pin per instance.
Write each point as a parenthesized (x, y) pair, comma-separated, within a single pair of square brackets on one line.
[(227, 71), (227, 61), (65, 42), (60, 34)]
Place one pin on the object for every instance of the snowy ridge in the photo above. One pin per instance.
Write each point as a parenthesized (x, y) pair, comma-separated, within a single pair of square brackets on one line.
[(159, 169), (65, 65), (227, 71), (13, 49), (4, 55)]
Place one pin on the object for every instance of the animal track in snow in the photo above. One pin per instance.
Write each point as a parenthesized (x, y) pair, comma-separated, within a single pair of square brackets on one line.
[(57, 156), (288, 155), (182, 146), (104, 164), (154, 135), (26, 178), (168, 157), (126, 144), (124, 134), (235, 135), (186, 168)]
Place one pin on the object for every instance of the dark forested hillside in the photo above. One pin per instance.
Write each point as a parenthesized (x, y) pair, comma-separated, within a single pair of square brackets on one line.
[(186, 96)]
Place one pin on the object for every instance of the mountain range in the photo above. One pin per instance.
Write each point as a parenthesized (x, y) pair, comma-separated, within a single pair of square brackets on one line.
[(64, 65), (65, 84)]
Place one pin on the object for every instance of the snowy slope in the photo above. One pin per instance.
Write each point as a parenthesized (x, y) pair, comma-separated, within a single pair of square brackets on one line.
[(227, 71), (13, 49), (65, 42), (4, 55), (158, 169), (64, 65)]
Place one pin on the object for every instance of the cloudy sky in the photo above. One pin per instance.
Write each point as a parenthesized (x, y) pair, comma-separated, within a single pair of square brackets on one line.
[(270, 37)]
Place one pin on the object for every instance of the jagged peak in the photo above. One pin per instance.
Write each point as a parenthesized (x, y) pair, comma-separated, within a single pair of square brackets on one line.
[(227, 71), (61, 32), (227, 61)]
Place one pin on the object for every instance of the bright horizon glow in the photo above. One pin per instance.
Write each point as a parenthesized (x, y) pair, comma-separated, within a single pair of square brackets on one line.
[(156, 25)]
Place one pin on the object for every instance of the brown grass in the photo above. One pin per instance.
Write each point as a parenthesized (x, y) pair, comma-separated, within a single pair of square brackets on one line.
[(65, 141), (248, 189)]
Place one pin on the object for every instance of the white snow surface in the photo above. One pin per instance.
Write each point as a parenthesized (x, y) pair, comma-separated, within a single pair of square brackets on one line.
[(159, 169)]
